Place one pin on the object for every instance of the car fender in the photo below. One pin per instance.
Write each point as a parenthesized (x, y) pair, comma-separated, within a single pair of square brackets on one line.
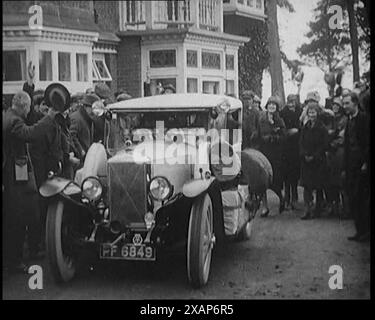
[(56, 185), (194, 188)]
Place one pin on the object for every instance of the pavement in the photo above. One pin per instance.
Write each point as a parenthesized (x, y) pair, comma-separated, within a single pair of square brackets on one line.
[(286, 258)]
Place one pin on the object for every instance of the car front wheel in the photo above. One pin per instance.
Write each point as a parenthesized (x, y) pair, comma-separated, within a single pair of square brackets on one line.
[(59, 243), (201, 240)]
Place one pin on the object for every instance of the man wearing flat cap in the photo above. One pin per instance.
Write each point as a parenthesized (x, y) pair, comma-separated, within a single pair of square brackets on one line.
[(251, 129), (82, 125)]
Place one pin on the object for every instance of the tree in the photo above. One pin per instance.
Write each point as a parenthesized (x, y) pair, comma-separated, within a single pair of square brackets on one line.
[(277, 83), (253, 57), (327, 46), (354, 39)]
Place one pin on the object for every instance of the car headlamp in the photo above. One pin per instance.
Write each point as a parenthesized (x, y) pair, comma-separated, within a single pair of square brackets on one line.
[(92, 188), (160, 188)]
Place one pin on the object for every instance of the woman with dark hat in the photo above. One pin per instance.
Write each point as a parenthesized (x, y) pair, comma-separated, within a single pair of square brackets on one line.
[(272, 133), (313, 146)]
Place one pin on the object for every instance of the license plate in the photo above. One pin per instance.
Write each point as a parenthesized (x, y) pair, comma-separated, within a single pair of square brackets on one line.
[(127, 251)]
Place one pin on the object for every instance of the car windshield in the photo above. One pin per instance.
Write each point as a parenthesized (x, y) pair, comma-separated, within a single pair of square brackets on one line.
[(128, 128)]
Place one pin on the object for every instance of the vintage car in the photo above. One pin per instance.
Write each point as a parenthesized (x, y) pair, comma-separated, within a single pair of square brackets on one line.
[(167, 172)]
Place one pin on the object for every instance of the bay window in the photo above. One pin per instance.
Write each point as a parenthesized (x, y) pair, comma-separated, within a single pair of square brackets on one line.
[(64, 66), (82, 67), (45, 65), (14, 65)]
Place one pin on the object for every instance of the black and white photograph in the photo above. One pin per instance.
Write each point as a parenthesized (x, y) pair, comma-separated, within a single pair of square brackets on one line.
[(200, 151)]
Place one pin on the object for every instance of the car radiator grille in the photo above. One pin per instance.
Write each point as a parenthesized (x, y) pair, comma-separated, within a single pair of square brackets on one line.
[(127, 192)]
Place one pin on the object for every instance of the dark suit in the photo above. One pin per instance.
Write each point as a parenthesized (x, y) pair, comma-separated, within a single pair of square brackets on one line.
[(20, 198), (291, 153), (82, 131), (313, 142), (250, 129), (356, 153)]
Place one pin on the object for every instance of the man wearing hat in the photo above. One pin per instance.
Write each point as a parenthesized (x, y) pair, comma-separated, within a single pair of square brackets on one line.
[(169, 89), (105, 94), (49, 150), (20, 195), (123, 96), (250, 130), (82, 125)]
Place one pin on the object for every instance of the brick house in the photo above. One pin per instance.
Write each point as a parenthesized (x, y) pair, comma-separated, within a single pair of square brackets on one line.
[(131, 45), (70, 46)]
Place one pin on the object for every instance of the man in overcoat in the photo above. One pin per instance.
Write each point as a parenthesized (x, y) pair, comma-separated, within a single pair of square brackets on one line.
[(291, 114), (20, 195), (356, 166), (82, 125), (250, 125)]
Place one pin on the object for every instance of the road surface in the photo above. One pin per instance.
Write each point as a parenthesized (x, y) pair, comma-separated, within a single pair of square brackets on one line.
[(285, 258)]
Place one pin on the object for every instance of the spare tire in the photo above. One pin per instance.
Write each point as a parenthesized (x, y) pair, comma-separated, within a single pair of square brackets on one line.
[(256, 171)]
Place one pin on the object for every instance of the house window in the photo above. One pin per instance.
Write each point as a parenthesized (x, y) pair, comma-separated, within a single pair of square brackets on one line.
[(211, 60), (14, 65), (229, 87), (229, 62), (240, 1), (82, 67), (101, 69), (259, 4), (45, 65), (192, 85), (212, 87), (64, 66), (192, 58), (162, 58), (250, 3)]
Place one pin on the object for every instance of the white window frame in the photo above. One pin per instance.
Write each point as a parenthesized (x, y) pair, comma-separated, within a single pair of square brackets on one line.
[(100, 57)]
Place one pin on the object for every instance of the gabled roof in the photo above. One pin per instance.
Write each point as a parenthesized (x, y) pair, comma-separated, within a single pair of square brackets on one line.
[(176, 102)]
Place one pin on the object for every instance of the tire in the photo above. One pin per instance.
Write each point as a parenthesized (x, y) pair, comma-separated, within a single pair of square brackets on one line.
[(62, 265), (200, 241)]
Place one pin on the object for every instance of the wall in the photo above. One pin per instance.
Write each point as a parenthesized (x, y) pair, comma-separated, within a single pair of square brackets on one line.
[(129, 66), (107, 15)]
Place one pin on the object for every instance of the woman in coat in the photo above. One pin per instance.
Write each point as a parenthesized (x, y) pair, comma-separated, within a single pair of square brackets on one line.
[(291, 114), (335, 156), (313, 146), (272, 133)]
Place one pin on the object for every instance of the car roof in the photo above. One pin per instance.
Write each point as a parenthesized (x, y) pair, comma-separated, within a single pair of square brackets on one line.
[(176, 102)]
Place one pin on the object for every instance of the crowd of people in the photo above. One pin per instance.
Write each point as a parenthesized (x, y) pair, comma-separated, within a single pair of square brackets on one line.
[(324, 149), (43, 131)]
